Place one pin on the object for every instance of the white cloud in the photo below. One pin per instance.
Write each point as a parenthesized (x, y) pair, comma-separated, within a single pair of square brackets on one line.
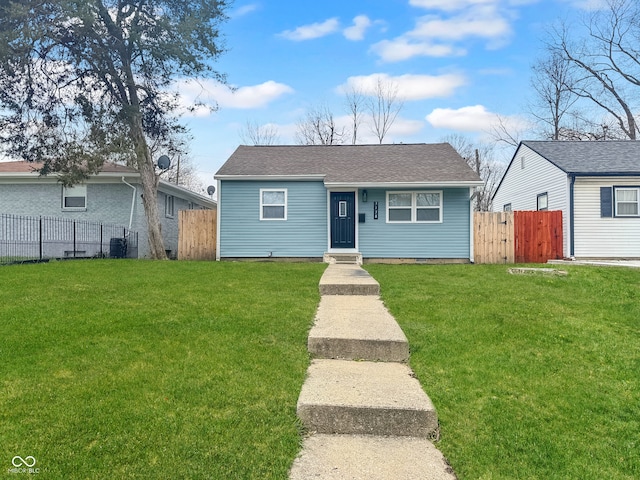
[(457, 5), (401, 128), (442, 33), (474, 118), (403, 49), (210, 92), (358, 29), (449, 5), (466, 119), (410, 87), (244, 10), (587, 4), (314, 30), (477, 22), (404, 127)]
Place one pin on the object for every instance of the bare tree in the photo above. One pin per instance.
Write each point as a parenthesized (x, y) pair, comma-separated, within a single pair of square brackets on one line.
[(505, 132), (480, 157), (551, 80), (318, 127), (606, 59), (384, 106), (253, 133), (355, 102), (183, 172)]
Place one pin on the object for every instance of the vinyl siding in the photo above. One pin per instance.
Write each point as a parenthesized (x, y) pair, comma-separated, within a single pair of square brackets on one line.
[(243, 234), (520, 187), (449, 239), (597, 237)]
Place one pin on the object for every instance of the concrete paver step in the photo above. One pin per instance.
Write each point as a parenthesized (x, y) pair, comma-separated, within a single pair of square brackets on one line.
[(371, 398), (356, 327), (368, 457), (339, 279)]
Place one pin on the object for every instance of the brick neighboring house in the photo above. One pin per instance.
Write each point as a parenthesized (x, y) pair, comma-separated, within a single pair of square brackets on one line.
[(112, 196)]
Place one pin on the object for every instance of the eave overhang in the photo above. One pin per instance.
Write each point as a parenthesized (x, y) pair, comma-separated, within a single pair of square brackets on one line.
[(445, 184), (272, 178)]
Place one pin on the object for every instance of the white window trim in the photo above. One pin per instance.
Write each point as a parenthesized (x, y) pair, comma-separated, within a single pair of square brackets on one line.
[(64, 196), (169, 201), (544, 195), (285, 205), (615, 197), (414, 206)]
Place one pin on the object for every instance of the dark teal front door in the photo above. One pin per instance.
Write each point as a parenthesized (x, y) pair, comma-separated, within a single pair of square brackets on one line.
[(343, 219)]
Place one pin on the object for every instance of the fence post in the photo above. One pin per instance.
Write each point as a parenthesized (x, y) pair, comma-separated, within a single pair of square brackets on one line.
[(101, 253), (40, 241)]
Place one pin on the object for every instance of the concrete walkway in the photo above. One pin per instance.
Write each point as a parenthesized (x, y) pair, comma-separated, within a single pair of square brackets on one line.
[(367, 414)]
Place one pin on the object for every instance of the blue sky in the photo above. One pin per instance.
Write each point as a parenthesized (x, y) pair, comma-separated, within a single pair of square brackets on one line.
[(457, 63)]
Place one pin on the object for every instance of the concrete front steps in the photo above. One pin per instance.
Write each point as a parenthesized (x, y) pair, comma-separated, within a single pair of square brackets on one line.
[(367, 413), (372, 398), (368, 457), (356, 327), (347, 279)]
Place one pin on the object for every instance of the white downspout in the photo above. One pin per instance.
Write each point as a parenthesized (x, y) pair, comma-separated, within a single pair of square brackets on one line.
[(133, 201), (218, 218), (473, 191)]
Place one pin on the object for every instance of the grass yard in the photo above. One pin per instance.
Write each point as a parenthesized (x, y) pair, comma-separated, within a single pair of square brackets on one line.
[(163, 370), (533, 377)]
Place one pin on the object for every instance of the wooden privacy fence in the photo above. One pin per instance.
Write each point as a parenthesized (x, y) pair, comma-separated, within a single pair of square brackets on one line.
[(517, 237), (197, 231)]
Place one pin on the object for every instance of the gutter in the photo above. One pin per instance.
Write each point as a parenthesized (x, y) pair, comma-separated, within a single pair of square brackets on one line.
[(390, 185)]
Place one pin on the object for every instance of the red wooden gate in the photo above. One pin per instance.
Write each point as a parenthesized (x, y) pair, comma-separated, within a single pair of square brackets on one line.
[(538, 236)]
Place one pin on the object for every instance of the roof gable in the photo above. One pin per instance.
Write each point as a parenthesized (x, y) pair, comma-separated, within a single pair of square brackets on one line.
[(595, 158), (352, 164)]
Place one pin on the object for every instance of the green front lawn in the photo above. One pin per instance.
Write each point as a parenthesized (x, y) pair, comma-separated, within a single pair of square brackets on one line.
[(163, 370), (533, 377), (134, 369)]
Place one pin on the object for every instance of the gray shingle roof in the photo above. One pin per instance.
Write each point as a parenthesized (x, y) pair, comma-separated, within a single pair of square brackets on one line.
[(357, 164), (606, 157), (31, 167)]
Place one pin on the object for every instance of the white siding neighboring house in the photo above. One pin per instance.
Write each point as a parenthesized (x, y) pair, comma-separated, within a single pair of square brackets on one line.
[(113, 196), (595, 184)]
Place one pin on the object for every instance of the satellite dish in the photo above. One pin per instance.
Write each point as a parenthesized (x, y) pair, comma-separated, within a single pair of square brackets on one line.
[(164, 162), (211, 189)]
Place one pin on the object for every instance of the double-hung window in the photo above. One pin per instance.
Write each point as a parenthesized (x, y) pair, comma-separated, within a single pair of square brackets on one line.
[(273, 204), (74, 198), (414, 207), (169, 205), (542, 202), (627, 201)]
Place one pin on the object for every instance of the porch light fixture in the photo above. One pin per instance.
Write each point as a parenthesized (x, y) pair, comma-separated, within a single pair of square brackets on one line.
[(364, 196)]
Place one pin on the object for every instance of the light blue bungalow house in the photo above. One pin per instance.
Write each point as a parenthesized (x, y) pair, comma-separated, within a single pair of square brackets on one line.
[(372, 202)]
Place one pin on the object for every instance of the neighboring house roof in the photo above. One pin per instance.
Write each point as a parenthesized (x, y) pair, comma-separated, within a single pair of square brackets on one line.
[(591, 158), (352, 164), (22, 170), (32, 167)]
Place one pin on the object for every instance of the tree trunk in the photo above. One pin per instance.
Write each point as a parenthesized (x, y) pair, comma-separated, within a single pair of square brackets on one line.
[(149, 191)]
